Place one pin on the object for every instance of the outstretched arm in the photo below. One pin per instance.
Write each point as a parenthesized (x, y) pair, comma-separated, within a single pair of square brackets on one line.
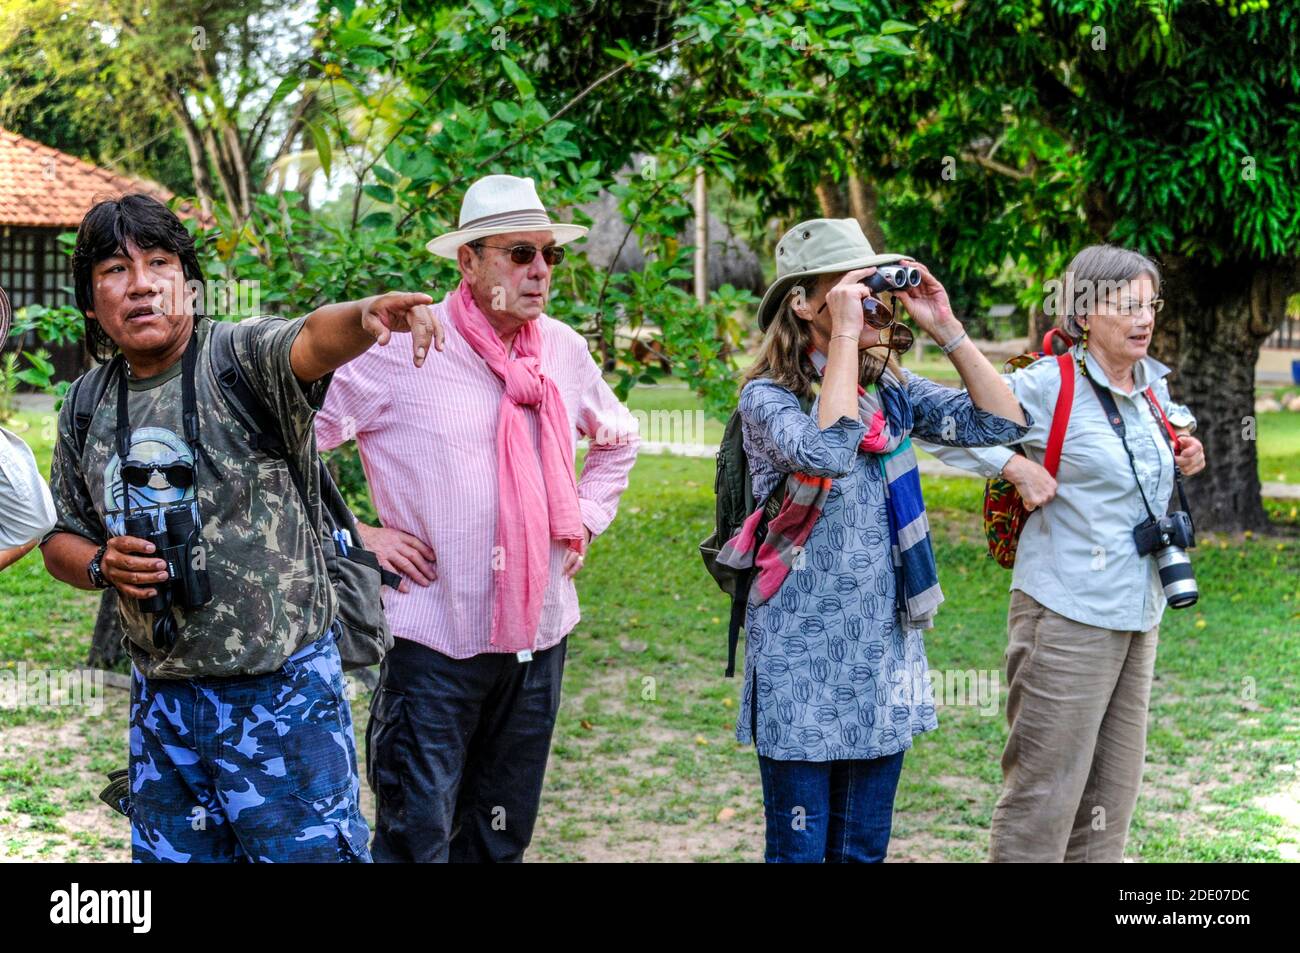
[(334, 334), (929, 307)]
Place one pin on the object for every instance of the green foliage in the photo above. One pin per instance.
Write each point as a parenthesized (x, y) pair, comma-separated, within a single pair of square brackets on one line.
[(421, 102), (1139, 123), (54, 327)]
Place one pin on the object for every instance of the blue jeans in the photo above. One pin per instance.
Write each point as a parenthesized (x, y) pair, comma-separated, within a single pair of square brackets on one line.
[(833, 811)]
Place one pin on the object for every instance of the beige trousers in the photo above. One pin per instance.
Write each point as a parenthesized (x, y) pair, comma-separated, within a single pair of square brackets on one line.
[(1077, 706)]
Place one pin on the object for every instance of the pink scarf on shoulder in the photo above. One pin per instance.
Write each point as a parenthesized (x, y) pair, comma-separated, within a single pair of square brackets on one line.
[(537, 492)]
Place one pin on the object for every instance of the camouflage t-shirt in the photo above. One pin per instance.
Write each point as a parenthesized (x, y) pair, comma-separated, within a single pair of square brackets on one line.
[(270, 592)]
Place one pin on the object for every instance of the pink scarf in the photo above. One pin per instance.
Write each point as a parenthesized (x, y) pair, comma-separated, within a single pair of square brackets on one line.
[(537, 493)]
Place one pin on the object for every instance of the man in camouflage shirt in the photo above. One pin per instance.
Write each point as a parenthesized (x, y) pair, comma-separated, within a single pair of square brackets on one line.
[(241, 734)]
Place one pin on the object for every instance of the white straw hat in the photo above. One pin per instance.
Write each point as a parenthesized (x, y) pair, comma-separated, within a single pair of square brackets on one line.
[(496, 205)]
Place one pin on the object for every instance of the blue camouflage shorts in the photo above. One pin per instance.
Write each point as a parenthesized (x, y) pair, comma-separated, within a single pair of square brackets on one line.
[(252, 768)]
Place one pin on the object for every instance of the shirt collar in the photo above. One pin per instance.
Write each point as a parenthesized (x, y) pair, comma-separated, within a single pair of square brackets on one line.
[(1145, 372)]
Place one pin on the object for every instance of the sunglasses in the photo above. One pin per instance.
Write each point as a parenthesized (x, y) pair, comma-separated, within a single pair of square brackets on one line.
[(875, 312), (177, 474), (523, 254), (897, 338), (874, 362)]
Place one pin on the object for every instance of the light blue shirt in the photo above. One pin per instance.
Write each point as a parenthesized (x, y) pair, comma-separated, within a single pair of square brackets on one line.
[(1076, 554)]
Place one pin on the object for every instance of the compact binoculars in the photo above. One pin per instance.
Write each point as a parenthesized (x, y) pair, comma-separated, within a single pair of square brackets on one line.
[(893, 278)]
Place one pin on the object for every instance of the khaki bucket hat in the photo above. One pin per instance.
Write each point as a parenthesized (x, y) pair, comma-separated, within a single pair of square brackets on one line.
[(818, 246)]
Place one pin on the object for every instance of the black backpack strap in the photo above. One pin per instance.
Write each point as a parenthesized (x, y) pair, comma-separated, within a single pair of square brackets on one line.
[(190, 407), (85, 396), (242, 399), (738, 604), (740, 601), (263, 430)]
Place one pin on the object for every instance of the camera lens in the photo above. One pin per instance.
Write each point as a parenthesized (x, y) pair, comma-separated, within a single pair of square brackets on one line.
[(1176, 577)]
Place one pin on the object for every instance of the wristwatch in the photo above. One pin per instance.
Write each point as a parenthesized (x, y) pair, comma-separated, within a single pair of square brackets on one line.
[(94, 572)]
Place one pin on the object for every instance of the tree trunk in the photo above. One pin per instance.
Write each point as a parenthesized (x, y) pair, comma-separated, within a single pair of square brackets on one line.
[(224, 174), (863, 202), (701, 237), (1040, 322), (239, 165), (193, 145), (830, 198), (1210, 334)]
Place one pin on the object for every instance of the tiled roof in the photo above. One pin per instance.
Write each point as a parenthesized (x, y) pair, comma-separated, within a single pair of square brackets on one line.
[(41, 186)]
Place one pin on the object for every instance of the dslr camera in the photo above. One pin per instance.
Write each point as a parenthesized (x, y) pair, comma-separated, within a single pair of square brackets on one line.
[(1168, 539)]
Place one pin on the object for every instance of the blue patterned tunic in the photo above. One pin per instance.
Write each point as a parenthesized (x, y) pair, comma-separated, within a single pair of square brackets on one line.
[(835, 675)]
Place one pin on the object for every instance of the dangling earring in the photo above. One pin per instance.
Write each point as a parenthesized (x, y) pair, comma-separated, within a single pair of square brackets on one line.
[(1085, 339)]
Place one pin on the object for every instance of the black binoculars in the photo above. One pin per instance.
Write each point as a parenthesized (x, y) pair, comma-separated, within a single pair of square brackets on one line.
[(179, 545)]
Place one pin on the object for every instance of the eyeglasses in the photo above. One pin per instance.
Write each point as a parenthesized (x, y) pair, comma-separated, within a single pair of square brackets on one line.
[(1131, 309), (523, 253), (139, 474)]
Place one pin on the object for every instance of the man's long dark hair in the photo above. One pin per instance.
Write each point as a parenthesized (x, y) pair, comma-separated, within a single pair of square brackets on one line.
[(105, 231)]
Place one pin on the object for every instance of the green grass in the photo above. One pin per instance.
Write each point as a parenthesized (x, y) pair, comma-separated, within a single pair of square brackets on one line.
[(38, 430), (645, 765), (668, 413), (1279, 447)]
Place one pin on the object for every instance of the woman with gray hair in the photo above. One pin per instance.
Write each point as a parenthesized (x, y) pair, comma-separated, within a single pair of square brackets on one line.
[(1086, 592)]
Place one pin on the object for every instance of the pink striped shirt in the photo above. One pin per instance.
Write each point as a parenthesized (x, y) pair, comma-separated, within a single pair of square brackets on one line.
[(427, 438)]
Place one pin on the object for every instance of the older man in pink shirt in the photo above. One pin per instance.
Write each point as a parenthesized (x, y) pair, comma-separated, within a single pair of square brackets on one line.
[(470, 462)]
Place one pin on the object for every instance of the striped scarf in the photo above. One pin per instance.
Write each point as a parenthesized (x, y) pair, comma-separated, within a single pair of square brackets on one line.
[(887, 414)]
